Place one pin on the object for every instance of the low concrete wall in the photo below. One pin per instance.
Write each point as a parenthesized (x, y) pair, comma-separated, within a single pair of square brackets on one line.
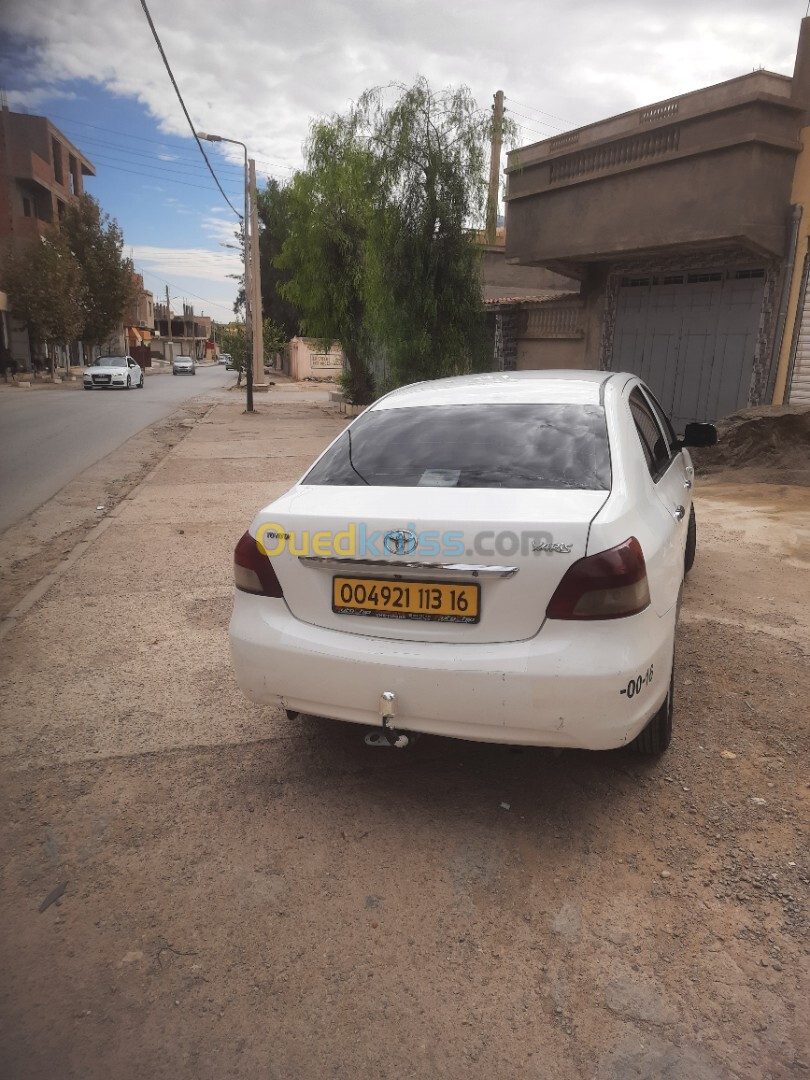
[(305, 358)]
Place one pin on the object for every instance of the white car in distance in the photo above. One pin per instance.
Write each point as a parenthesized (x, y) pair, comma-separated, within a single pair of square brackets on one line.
[(113, 372), (494, 557)]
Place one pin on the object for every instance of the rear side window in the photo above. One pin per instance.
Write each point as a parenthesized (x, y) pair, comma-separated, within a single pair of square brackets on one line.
[(653, 443), (472, 446), (663, 421)]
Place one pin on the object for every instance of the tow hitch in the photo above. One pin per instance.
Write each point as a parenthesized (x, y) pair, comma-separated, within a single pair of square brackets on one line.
[(389, 736)]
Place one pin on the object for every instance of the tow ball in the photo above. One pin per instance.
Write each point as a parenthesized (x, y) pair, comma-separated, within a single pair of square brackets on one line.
[(389, 736)]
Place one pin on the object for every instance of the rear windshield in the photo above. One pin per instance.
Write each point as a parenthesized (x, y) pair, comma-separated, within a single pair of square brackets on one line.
[(472, 446)]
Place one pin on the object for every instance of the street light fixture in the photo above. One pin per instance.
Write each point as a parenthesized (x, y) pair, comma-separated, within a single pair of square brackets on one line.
[(248, 324)]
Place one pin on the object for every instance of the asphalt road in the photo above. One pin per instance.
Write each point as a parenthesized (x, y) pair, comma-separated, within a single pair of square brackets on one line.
[(49, 436)]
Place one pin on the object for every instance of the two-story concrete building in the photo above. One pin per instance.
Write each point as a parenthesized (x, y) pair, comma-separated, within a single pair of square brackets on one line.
[(183, 334), (678, 221)]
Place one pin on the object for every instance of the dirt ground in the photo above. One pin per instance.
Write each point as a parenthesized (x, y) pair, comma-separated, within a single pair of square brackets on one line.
[(248, 896)]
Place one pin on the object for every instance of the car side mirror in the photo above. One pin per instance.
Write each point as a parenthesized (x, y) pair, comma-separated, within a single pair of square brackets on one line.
[(699, 435)]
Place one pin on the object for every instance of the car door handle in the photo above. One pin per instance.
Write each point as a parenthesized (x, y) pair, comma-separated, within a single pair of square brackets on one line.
[(679, 513), (687, 484)]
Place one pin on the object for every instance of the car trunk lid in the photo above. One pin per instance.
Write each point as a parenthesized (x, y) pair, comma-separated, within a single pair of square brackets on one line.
[(511, 546)]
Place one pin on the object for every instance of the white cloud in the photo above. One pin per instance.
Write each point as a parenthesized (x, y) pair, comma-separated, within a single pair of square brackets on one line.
[(260, 72), (190, 262), (275, 66), (220, 230), (36, 96)]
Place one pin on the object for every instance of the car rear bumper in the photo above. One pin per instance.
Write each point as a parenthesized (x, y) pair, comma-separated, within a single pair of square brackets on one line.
[(560, 688)]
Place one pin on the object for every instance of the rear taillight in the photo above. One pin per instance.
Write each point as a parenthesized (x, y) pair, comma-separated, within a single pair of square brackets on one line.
[(610, 585), (252, 571)]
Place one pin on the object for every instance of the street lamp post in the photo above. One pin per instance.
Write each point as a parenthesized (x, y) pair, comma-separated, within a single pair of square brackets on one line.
[(248, 323)]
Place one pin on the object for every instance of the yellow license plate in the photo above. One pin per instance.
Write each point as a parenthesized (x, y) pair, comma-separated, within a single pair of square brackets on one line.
[(457, 602)]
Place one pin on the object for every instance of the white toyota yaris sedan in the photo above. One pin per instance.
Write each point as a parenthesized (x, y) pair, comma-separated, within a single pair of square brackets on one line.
[(495, 557)]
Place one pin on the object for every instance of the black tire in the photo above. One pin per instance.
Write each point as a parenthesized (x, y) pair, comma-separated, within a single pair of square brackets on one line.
[(691, 542), (88, 387), (140, 384), (657, 735), (129, 382)]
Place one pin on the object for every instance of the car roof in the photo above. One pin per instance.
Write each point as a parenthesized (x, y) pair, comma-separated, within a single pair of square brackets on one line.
[(553, 387)]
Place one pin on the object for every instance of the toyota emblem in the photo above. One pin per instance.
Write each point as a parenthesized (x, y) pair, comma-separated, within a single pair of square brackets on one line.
[(400, 542)]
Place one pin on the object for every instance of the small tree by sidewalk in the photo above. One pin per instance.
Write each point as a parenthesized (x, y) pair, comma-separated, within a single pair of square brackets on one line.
[(46, 291), (274, 340), (97, 243), (232, 340)]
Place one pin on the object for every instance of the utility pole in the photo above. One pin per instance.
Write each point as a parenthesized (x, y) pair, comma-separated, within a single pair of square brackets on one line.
[(248, 305), (168, 328), (256, 287), (495, 167)]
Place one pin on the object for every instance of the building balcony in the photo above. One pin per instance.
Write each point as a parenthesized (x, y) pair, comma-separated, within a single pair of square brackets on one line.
[(26, 165), (711, 168)]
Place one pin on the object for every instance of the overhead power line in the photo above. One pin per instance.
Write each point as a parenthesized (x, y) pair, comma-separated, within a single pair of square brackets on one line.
[(171, 144), (534, 131), (185, 110), (182, 289), (531, 108), (533, 120), (127, 155), (163, 178)]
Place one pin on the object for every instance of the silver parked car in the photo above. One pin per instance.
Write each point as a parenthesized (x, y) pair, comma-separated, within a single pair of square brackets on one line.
[(184, 365)]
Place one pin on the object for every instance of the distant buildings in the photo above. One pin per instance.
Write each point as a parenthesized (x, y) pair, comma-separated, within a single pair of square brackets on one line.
[(187, 334)]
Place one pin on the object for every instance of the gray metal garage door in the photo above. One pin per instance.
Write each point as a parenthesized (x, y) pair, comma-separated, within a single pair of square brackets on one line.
[(692, 338)]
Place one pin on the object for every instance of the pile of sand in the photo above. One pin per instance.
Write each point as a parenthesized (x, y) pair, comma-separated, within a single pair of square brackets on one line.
[(768, 444)]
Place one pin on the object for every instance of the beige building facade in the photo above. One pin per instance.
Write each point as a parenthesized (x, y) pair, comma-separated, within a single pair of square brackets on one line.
[(677, 219)]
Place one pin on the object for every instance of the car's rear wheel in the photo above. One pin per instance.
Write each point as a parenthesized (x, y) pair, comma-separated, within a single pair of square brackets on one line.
[(140, 384), (657, 735), (691, 542)]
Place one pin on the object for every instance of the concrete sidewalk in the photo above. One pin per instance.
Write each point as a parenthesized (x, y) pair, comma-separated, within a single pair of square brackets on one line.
[(150, 597), (195, 888)]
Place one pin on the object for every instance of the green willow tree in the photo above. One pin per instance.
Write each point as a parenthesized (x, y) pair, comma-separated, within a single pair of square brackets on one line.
[(273, 206), (423, 266), (331, 203), (97, 244), (46, 291), (381, 248)]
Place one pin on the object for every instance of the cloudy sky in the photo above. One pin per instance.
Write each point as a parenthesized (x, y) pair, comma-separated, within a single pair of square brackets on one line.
[(259, 71)]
